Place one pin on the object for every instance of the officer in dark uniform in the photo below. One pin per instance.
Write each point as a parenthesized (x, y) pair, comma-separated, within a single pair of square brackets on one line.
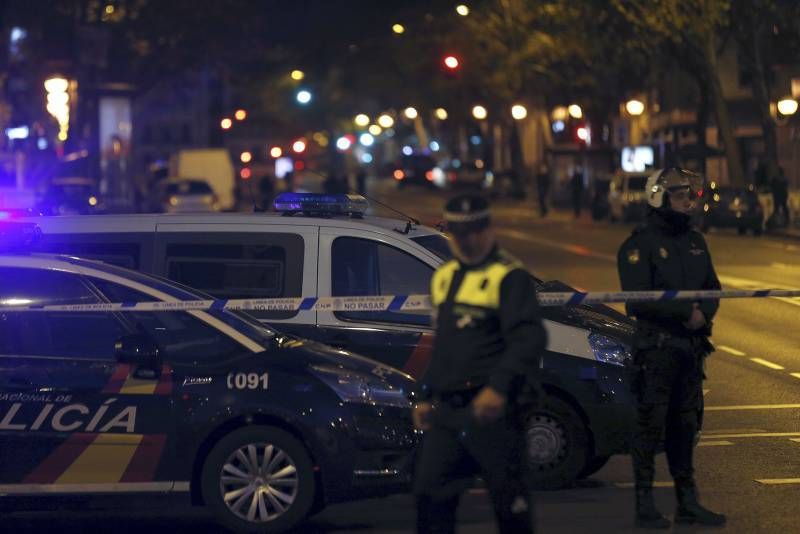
[(470, 403), (672, 342)]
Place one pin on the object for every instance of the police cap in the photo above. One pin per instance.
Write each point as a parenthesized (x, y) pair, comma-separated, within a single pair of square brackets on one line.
[(466, 214)]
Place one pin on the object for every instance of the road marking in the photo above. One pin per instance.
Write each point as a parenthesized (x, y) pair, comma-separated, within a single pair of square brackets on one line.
[(767, 363), (732, 431), (573, 249), (772, 481), (730, 350), (705, 391), (796, 375), (796, 440), (657, 484), (754, 435), (740, 407), (714, 443)]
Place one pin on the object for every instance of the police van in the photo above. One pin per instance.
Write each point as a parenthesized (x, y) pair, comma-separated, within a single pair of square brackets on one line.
[(326, 245), (262, 428)]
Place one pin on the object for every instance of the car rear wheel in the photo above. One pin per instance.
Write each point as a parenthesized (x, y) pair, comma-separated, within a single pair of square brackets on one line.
[(259, 479), (557, 444)]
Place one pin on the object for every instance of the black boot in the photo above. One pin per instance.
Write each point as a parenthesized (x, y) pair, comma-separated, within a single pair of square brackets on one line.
[(647, 515), (690, 511)]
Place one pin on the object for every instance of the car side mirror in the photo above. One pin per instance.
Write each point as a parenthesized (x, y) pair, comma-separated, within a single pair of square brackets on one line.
[(140, 351)]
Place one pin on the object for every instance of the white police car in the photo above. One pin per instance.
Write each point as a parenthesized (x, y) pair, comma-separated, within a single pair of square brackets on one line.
[(262, 428), (325, 245)]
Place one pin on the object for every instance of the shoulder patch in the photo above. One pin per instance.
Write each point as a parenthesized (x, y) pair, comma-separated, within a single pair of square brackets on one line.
[(663, 253), (633, 256)]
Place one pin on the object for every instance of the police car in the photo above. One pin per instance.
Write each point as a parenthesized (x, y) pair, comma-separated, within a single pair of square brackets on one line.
[(262, 428), (327, 245)]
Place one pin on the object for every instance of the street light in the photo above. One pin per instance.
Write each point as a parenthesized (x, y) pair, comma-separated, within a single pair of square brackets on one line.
[(451, 62), (366, 139), (275, 152), (385, 121), (398, 28), (299, 146), (410, 113), (240, 115), (225, 123), (343, 143), (304, 96), (441, 114), (560, 113), (58, 103), (246, 157), (634, 107), (361, 120), (374, 129), (462, 10), (479, 112), (297, 75), (519, 112), (787, 106), (575, 111)]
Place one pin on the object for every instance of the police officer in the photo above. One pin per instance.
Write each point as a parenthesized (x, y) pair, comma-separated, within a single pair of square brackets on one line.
[(489, 337), (672, 342)]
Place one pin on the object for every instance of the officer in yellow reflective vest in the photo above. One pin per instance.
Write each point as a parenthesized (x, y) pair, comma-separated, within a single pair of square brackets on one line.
[(489, 338)]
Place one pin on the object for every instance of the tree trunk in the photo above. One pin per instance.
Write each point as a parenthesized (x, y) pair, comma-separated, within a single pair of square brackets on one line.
[(724, 124), (518, 174), (761, 96), (701, 125)]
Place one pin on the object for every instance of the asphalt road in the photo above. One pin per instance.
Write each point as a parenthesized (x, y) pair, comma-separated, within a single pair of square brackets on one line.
[(748, 459)]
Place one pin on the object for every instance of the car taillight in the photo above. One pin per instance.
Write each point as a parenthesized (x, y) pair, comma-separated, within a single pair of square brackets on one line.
[(399, 175), (429, 176), (451, 176)]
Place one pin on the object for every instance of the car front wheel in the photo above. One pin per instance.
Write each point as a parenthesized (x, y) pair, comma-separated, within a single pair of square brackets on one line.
[(557, 444), (259, 479)]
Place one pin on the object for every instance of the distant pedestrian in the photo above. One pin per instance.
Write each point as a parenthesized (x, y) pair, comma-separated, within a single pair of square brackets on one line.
[(780, 197), (671, 343), (266, 190), (543, 187), (471, 401), (577, 191)]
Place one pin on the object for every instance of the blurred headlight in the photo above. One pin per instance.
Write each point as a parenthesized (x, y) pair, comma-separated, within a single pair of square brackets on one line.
[(352, 386), (609, 350)]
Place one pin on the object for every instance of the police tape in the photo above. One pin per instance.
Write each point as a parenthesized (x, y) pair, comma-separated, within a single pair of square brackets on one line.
[(395, 303)]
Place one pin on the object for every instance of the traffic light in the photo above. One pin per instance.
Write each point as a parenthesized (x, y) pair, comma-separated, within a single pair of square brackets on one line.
[(583, 134), (451, 63)]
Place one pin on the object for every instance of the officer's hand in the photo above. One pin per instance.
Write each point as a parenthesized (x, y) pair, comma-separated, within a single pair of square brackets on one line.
[(421, 414), (488, 405), (696, 321)]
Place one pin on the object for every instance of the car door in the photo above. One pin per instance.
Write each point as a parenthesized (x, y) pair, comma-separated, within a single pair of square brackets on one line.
[(73, 419), (244, 261), (369, 263)]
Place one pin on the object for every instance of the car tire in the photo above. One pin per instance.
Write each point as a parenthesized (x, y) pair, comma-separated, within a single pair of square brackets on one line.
[(259, 509), (557, 445), (593, 466)]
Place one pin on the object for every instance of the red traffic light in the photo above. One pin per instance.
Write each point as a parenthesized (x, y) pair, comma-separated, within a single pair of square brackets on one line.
[(451, 62)]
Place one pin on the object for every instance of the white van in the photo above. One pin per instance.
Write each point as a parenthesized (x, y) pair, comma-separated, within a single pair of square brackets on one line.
[(213, 165)]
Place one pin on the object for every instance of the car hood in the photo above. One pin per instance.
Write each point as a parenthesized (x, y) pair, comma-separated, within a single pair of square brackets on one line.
[(598, 318), (321, 354)]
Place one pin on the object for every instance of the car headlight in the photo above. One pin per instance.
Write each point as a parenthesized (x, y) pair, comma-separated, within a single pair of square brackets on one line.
[(352, 386), (609, 350)]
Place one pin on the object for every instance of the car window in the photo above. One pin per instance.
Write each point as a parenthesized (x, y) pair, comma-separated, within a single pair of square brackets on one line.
[(435, 243), (183, 338), (121, 249), (84, 335), (362, 267), (238, 265)]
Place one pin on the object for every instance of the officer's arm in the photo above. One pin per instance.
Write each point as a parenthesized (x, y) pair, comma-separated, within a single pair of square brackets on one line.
[(633, 263), (523, 332), (709, 307)]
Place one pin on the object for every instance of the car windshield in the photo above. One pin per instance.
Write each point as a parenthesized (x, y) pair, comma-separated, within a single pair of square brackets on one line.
[(193, 187), (436, 243)]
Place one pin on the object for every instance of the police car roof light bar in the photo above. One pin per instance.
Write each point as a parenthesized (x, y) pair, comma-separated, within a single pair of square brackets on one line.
[(17, 236), (312, 203)]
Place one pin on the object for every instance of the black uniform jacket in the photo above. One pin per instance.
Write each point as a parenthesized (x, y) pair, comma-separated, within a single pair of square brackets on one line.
[(658, 257), (489, 328)]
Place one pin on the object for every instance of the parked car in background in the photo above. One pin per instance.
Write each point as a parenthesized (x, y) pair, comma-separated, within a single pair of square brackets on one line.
[(466, 174), (71, 196), (213, 165), (182, 195), (627, 200), (418, 169), (731, 207)]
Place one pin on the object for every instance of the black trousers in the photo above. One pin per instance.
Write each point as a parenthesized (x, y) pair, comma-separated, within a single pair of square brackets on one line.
[(669, 405), (453, 452)]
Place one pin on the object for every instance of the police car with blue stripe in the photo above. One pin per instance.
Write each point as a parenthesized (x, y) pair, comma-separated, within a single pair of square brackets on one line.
[(261, 427), (327, 246)]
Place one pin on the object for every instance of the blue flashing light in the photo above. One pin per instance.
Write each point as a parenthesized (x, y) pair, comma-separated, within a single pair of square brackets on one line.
[(475, 140), (313, 203), (434, 146), (558, 126), (366, 158), (407, 150)]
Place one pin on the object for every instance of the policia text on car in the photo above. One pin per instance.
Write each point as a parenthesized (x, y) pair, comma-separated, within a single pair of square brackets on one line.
[(489, 336), (667, 371)]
